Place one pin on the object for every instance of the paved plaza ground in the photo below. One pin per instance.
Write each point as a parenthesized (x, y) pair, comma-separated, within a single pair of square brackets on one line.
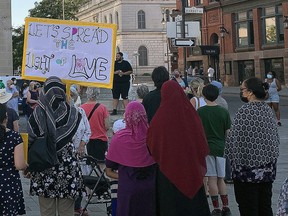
[(32, 206)]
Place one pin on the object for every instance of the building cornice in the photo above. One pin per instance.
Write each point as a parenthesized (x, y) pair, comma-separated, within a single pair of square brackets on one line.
[(233, 6)]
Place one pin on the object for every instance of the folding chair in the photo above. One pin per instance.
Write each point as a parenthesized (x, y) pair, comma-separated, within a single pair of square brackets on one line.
[(97, 183)]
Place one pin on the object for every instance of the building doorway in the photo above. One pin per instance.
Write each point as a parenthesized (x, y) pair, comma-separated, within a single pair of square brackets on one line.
[(245, 70)]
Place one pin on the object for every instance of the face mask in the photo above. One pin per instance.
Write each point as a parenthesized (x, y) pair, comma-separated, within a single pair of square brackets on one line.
[(244, 99), (269, 76), (177, 75), (15, 82)]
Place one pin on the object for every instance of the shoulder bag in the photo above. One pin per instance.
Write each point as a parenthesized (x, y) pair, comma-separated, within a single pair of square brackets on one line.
[(92, 111), (42, 153)]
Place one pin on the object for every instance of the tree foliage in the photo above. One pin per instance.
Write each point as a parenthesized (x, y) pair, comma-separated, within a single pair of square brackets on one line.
[(52, 9), (17, 44)]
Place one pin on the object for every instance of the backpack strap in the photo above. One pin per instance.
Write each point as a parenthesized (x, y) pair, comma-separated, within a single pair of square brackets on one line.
[(94, 108)]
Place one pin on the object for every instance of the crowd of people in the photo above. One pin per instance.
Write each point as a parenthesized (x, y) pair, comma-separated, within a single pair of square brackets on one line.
[(167, 155)]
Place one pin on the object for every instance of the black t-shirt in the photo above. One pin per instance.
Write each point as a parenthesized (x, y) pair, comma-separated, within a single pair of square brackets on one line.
[(151, 103), (12, 116), (123, 66)]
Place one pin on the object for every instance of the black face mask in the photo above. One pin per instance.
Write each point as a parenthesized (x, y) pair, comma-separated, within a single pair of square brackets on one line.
[(244, 99)]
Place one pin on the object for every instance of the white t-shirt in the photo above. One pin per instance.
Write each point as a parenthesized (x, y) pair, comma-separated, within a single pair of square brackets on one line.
[(118, 125), (210, 72)]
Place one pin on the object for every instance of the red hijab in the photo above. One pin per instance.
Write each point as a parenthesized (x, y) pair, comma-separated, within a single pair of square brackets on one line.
[(177, 142)]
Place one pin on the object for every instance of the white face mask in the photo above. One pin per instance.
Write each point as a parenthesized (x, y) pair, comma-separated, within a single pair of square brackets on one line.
[(15, 82), (269, 76)]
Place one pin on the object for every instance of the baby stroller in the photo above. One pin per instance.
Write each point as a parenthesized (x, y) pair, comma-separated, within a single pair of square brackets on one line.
[(98, 184)]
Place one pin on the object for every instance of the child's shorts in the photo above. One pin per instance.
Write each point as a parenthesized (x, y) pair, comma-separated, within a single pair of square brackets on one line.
[(215, 166)]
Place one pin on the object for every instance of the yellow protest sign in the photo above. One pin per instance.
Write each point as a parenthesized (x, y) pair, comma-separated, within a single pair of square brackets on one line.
[(25, 144), (77, 52)]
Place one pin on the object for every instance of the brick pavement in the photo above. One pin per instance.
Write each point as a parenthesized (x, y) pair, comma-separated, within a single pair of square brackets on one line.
[(32, 206)]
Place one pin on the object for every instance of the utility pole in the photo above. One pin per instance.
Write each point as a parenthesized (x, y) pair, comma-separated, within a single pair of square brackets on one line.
[(183, 35), (63, 9)]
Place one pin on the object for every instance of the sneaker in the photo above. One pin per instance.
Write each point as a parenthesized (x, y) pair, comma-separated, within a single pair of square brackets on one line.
[(114, 112), (216, 212), (229, 181), (226, 211), (78, 212), (279, 124)]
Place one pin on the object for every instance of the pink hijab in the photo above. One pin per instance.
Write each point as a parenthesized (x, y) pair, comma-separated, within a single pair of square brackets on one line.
[(128, 146)]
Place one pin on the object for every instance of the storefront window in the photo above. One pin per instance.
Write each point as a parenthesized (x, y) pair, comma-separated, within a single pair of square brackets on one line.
[(273, 25), (244, 26), (245, 70), (198, 2)]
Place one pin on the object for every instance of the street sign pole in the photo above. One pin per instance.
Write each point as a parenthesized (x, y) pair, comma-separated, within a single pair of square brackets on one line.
[(183, 36)]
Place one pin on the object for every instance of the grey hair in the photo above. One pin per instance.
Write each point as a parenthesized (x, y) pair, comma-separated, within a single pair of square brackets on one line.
[(92, 93), (142, 91), (74, 94)]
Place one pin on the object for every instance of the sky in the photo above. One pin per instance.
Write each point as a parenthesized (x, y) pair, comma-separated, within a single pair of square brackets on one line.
[(20, 10)]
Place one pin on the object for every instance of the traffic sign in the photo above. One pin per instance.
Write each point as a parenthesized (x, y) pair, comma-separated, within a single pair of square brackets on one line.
[(185, 42), (194, 10)]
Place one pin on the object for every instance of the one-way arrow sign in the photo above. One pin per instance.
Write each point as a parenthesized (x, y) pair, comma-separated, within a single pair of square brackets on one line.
[(185, 42)]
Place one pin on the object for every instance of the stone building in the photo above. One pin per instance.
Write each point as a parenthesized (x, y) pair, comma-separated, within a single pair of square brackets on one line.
[(241, 38), (140, 33), (6, 63)]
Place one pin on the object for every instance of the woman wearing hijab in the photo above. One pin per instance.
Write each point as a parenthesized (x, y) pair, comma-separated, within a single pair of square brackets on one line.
[(177, 142), (252, 146), (58, 186), (129, 155)]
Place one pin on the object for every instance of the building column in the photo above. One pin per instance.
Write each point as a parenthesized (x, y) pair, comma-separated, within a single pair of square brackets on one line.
[(285, 54)]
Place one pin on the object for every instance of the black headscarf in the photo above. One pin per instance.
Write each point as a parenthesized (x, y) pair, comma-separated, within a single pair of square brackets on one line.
[(61, 119)]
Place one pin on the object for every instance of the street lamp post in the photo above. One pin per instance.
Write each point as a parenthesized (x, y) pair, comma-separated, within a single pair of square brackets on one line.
[(136, 54), (183, 36), (63, 9), (167, 54)]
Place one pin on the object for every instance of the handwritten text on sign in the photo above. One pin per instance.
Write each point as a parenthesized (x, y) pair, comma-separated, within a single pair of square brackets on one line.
[(77, 52)]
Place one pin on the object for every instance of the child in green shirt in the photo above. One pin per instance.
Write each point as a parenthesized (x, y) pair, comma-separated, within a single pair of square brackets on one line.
[(216, 122)]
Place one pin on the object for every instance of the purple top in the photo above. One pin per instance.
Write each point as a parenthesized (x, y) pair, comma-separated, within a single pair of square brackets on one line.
[(136, 189)]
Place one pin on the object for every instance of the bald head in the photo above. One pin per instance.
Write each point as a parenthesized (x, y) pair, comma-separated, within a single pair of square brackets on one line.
[(9, 83)]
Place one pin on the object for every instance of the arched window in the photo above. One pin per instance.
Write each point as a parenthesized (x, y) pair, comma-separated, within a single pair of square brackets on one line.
[(105, 19), (111, 18), (167, 12), (141, 20), (143, 56), (117, 19)]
